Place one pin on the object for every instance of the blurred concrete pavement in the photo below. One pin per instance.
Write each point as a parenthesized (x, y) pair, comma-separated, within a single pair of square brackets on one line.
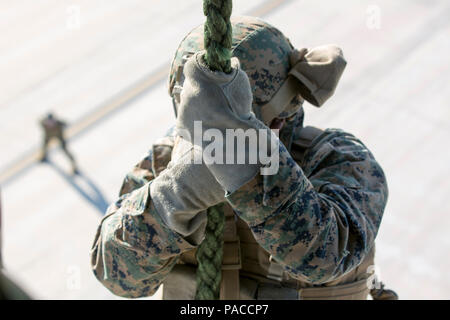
[(102, 65)]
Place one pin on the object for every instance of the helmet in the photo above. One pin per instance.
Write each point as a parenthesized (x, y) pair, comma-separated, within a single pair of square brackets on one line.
[(264, 54), (280, 75)]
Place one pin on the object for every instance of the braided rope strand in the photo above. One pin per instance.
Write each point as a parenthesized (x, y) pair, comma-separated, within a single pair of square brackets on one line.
[(218, 40), (209, 256), (218, 34)]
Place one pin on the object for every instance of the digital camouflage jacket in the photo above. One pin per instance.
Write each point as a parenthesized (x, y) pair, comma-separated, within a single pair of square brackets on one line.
[(318, 217)]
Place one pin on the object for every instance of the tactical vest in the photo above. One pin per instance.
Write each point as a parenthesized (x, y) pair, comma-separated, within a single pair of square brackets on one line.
[(250, 273)]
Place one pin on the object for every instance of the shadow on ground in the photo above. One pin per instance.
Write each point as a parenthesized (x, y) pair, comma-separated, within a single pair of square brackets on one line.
[(84, 186)]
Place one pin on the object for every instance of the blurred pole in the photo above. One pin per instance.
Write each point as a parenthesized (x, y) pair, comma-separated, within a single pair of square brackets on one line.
[(8, 289), (1, 243)]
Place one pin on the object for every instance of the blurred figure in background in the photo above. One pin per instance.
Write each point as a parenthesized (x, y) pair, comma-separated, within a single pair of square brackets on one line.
[(54, 128)]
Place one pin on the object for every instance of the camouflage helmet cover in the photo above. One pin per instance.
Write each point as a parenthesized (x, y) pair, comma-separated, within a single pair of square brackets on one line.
[(263, 52)]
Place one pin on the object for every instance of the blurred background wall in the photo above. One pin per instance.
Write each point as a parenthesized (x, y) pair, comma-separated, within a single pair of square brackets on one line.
[(102, 66)]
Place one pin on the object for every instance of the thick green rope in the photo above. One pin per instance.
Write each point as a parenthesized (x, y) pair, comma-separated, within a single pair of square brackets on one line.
[(218, 34), (218, 38), (209, 256)]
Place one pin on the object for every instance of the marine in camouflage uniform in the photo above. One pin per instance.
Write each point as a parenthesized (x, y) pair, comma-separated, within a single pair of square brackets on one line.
[(307, 232), (54, 129)]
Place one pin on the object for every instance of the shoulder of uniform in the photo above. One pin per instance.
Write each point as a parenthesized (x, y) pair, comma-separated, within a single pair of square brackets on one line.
[(314, 148), (342, 139), (306, 136), (303, 140), (313, 137), (341, 159)]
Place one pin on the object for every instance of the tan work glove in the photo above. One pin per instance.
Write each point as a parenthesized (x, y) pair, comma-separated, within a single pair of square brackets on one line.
[(183, 192), (222, 101)]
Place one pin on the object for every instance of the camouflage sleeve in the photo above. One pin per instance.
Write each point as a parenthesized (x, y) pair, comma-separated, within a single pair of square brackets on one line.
[(319, 220), (134, 250)]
